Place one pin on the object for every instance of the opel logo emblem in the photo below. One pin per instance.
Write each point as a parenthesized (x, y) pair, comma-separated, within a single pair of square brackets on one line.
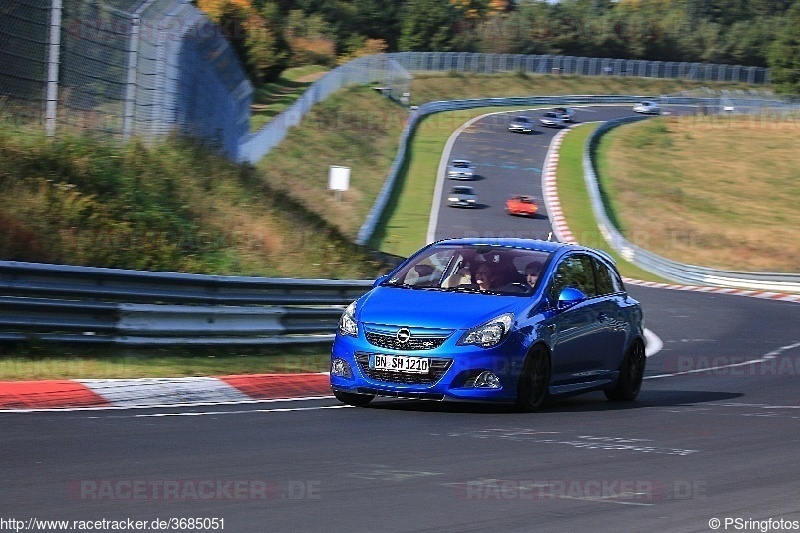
[(403, 335)]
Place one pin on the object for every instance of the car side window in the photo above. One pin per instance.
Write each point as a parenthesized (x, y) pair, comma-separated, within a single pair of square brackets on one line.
[(607, 281), (574, 271)]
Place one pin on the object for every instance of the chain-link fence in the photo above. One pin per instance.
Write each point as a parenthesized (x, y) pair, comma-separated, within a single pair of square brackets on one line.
[(24, 43), (464, 62), (148, 67), (122, 67)]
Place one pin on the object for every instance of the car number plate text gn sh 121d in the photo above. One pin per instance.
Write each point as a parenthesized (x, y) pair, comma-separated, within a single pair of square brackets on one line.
[(399, 363)]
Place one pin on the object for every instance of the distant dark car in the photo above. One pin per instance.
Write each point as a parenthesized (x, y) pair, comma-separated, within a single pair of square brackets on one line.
[(458, 320), (521, 124), (462, 196)]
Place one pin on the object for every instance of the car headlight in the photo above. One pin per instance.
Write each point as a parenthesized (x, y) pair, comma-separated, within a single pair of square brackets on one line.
[(491, 333), (347, 322)]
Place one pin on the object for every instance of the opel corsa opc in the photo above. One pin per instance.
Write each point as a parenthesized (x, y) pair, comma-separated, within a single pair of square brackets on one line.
[(497, 320)]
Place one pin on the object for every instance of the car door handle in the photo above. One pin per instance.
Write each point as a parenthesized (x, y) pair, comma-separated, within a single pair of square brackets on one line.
[(602, 317)]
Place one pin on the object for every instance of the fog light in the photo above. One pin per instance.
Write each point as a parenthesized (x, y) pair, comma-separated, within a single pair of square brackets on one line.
[(487, 380), (339, 367)]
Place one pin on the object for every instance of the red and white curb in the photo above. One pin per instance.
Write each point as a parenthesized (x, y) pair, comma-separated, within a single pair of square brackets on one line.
[(563, 233), (159, 392)]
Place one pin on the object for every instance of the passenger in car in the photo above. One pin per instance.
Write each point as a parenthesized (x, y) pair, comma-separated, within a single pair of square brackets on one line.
[(483, 276)]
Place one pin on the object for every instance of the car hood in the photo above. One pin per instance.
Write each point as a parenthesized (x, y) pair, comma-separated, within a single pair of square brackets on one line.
[(434, 308)]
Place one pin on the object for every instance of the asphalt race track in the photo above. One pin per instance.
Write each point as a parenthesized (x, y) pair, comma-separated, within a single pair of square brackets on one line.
[(715, 434), (506, 163)]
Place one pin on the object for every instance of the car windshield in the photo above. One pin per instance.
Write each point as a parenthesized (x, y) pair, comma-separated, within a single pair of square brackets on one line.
[(522, 119), (472, 268), (461, 164), (462, 190)]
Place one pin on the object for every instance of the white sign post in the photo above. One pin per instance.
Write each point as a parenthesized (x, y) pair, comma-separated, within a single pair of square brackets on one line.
[(338, 180)]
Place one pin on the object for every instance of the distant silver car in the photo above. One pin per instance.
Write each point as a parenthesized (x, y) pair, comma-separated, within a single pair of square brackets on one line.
[(648, 107), (462, 196), (460, 169), (521, 124), (567, 114), (551, 119)]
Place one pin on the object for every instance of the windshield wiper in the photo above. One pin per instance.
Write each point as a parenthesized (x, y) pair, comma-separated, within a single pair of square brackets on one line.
[(463, 288)]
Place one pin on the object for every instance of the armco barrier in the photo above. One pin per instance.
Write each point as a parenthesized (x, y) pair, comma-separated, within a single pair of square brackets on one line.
[(100, 305), (672, 270)]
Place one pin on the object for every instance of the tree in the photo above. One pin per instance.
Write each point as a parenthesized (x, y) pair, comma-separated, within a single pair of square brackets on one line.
[(427, 26), (784, 56)]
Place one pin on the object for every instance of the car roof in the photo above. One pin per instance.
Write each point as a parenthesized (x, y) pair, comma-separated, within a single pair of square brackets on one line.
[(527, 244), (522, 119)]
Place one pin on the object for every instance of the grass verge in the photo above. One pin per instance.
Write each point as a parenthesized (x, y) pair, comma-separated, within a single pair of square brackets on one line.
[(576, 203)]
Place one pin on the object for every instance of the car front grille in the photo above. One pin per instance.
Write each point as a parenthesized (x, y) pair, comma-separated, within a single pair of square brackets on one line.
[(438, 367), (417, 341)]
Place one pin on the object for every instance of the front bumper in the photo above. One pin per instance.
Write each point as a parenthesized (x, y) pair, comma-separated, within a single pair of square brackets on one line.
[(454, 369)]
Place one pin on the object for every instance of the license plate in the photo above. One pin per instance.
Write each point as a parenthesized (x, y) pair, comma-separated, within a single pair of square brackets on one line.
[(400, 363)]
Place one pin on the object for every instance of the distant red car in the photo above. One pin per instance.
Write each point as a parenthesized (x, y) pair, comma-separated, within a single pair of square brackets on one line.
[(523, 205)]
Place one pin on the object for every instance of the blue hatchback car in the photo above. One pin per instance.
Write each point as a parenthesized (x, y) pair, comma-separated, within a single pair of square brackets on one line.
[(496, 320)]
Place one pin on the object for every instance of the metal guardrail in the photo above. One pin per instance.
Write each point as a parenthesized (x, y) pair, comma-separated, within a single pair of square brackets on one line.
[(100, 305), (666, 268)]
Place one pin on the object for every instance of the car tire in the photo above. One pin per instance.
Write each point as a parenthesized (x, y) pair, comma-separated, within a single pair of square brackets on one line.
[(533, 381), (631, 374), (356, 400)]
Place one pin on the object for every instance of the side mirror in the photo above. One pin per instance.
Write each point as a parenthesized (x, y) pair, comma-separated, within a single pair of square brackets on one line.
[(570, 296), (380, 280)]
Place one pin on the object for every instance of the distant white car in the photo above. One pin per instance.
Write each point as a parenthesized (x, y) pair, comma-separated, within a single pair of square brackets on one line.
[(460, 169), (648, 107), (551, 119), (462, 196)]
